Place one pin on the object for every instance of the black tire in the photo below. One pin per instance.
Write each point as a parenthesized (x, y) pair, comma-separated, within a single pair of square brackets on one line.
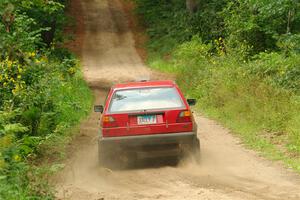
[(113, 158), (196, 153), (108, 159), (104, 156), (192, 151)]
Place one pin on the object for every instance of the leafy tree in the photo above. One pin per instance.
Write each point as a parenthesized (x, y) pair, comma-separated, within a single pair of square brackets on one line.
[(260, 23)]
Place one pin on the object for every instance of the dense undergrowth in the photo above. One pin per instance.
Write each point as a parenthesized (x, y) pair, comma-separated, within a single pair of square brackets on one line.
[(240, 59), (42, 95)]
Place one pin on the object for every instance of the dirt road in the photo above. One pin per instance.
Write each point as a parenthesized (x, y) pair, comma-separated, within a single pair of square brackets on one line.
[(227, 169)]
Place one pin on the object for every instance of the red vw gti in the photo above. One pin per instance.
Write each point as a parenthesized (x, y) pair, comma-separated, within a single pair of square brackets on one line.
[(146, 119)]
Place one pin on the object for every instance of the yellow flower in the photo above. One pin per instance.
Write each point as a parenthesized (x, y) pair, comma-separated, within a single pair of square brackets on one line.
[(9, 63), (20, 69), (17, 158), (71, 70), (44, 59), (37, 61), (16, 90), (32, 54)]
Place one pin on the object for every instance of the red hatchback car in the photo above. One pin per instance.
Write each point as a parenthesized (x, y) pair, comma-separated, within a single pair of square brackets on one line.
[(147, 118)]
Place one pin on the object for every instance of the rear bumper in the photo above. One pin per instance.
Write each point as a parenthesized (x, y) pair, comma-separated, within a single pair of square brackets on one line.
[(149, 140)]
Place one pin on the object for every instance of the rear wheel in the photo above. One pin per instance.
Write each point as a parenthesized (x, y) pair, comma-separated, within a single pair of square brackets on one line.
[(196, 151), (192, 151), (115, 158), (108, 156), (103, 157)]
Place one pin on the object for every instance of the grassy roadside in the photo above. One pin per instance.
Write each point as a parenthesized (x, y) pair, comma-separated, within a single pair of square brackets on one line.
[(256, 97), (26, 175), (266, 118), (43, 97)]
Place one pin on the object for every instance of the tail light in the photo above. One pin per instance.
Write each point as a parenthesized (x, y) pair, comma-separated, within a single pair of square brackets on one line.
[(108, 122), (184, 116)]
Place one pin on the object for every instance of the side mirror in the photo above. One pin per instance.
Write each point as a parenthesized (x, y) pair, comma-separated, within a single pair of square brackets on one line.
[(98, 108), (192, 102)]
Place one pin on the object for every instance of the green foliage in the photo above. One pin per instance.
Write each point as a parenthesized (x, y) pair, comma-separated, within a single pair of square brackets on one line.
[(21, 181), (277, 70), (48, 103), (18, 38), (168, 22), (258, 99), (42, 94), (48, 16), (240, 59), (258, 25), (28, 25)]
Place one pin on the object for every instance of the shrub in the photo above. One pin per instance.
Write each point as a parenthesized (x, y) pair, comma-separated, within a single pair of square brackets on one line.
[(42, 94)]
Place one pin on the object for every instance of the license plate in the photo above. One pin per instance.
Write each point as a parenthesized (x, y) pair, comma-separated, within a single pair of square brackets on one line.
[(146, 119)]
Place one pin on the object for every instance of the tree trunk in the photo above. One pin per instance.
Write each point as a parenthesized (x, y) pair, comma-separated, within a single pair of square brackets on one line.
[(191, 6)]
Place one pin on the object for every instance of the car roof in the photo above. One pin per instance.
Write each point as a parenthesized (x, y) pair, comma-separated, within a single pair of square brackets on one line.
[(161, 83)]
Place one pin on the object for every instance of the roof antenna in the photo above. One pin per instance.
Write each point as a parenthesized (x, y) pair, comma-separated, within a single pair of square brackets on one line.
[(143, 79)]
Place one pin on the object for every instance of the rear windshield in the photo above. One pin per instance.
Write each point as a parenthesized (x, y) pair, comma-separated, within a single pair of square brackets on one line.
[(145, 99)]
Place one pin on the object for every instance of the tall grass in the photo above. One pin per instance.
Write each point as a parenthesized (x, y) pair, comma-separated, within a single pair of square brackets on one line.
[(255, 103)]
